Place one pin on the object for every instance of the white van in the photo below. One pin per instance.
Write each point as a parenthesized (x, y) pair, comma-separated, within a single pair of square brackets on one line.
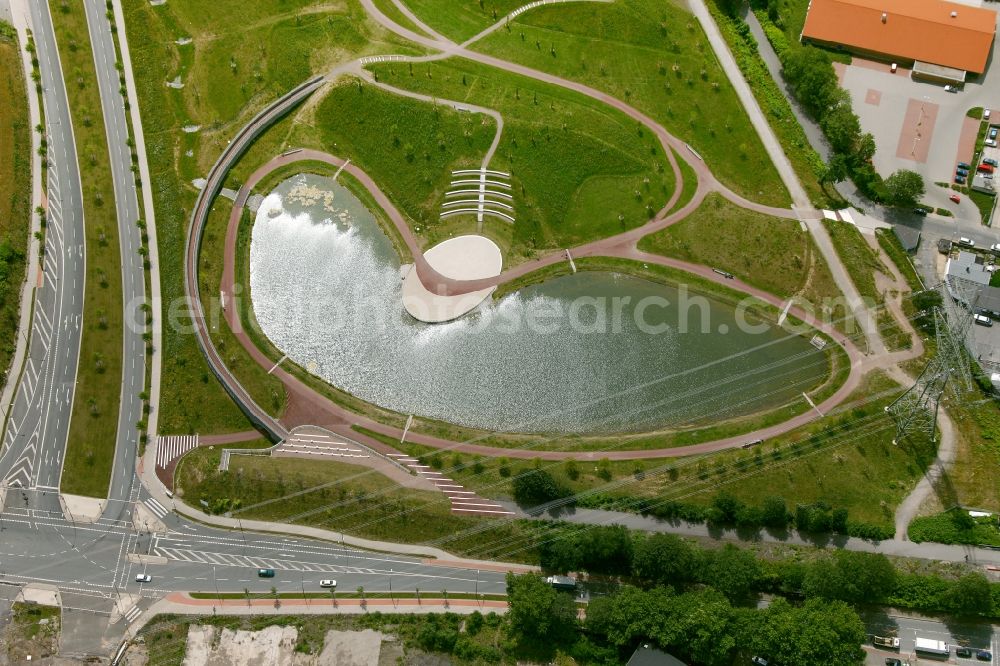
[(982, 320)]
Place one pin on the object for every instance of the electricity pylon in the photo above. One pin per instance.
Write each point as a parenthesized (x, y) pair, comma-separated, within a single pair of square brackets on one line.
[(916, 409)]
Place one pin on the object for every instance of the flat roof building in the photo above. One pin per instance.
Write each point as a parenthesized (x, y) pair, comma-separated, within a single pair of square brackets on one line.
[(944, 35)]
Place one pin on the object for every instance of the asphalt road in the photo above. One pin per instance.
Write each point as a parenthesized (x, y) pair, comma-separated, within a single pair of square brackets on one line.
[(34, 441), (129, 236)]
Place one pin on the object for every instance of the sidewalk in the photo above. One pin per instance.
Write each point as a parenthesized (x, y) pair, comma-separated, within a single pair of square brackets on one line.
[(22, 19)]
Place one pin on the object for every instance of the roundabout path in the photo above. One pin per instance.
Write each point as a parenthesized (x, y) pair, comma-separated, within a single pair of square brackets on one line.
[(306, 407)]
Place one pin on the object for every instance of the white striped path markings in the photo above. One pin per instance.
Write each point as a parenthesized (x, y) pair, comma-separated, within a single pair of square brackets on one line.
[(462, 501), (170, 448), (156, 507), (132, 614), (230, 560)]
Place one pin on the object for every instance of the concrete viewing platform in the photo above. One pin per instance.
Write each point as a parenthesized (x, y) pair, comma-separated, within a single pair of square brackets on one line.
[(463, 258)]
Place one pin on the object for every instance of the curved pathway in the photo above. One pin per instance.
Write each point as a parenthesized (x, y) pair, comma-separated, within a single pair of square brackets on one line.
[(305, 406)]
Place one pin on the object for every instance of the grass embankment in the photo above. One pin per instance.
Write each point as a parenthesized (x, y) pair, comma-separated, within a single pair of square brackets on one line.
[(862, 263), (242, 56), (845, 460), (460, 21), (266, 390), (773, 254), (93, 429), (956, 526), (348, 498), (806, 162), (789, 16), (15, 192), (581, 170), (655, 57)]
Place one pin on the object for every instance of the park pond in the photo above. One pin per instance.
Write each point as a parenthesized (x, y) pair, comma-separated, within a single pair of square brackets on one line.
[(593, 352)]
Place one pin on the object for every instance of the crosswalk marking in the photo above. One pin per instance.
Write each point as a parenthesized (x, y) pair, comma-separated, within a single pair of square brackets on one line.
[(132, 614), (169, 448), (155, 507)]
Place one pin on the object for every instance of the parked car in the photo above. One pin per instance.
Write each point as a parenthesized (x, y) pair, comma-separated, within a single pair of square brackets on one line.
[(986, 114), (143, 578), (920, 211), (982, 319), (959, 180), (964, 165), (984, 655), (992, 143), (992, 162), (951, 89), (964, 173), (966, 242), (995, 247), (892, 661), (993, 132), (758, 661), (985, 168), (955, 198), (328, 582), (963, 652), (265, 573)]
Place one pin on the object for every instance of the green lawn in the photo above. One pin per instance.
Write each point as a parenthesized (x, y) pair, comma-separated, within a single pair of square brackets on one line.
[(15, 192), (655, 57), (861, 263), (581, 170), (349, 498), (767, 252), (266, 390), (945, 528), (975, 476), (275, 44), (460, 20), (94, 426)]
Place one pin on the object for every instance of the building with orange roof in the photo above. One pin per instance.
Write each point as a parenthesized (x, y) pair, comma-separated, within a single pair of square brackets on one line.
[(940, 39)]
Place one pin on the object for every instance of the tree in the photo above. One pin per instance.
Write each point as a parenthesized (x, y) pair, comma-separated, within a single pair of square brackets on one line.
[(905, 187), (836, 170), (842, 127), (774, 513), (817, 633), (607, 550), (970, 595), (664, 559), (536, 486), (865, 149), (561, 555), (538, 613), (851, 576), (732, 571), (810, 74), (729, 7)]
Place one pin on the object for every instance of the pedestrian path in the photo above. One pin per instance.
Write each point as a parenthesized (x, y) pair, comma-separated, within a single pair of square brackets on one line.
[(463, 502), (318, 445), (169, 450)]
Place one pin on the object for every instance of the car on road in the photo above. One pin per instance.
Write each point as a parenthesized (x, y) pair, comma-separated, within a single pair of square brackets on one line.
[(265, 573), (955, 198), (992, 162), (328, 582), (982, 320), (143, 578), (951, 89), (984, 655), (966, 242)]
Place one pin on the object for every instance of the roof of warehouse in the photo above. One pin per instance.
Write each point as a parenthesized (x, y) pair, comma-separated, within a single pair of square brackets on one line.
[(921, 30)]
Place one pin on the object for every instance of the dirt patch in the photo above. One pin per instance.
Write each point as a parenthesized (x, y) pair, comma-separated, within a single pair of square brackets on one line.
[(33, 634), (918, 129), (210, 646)]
